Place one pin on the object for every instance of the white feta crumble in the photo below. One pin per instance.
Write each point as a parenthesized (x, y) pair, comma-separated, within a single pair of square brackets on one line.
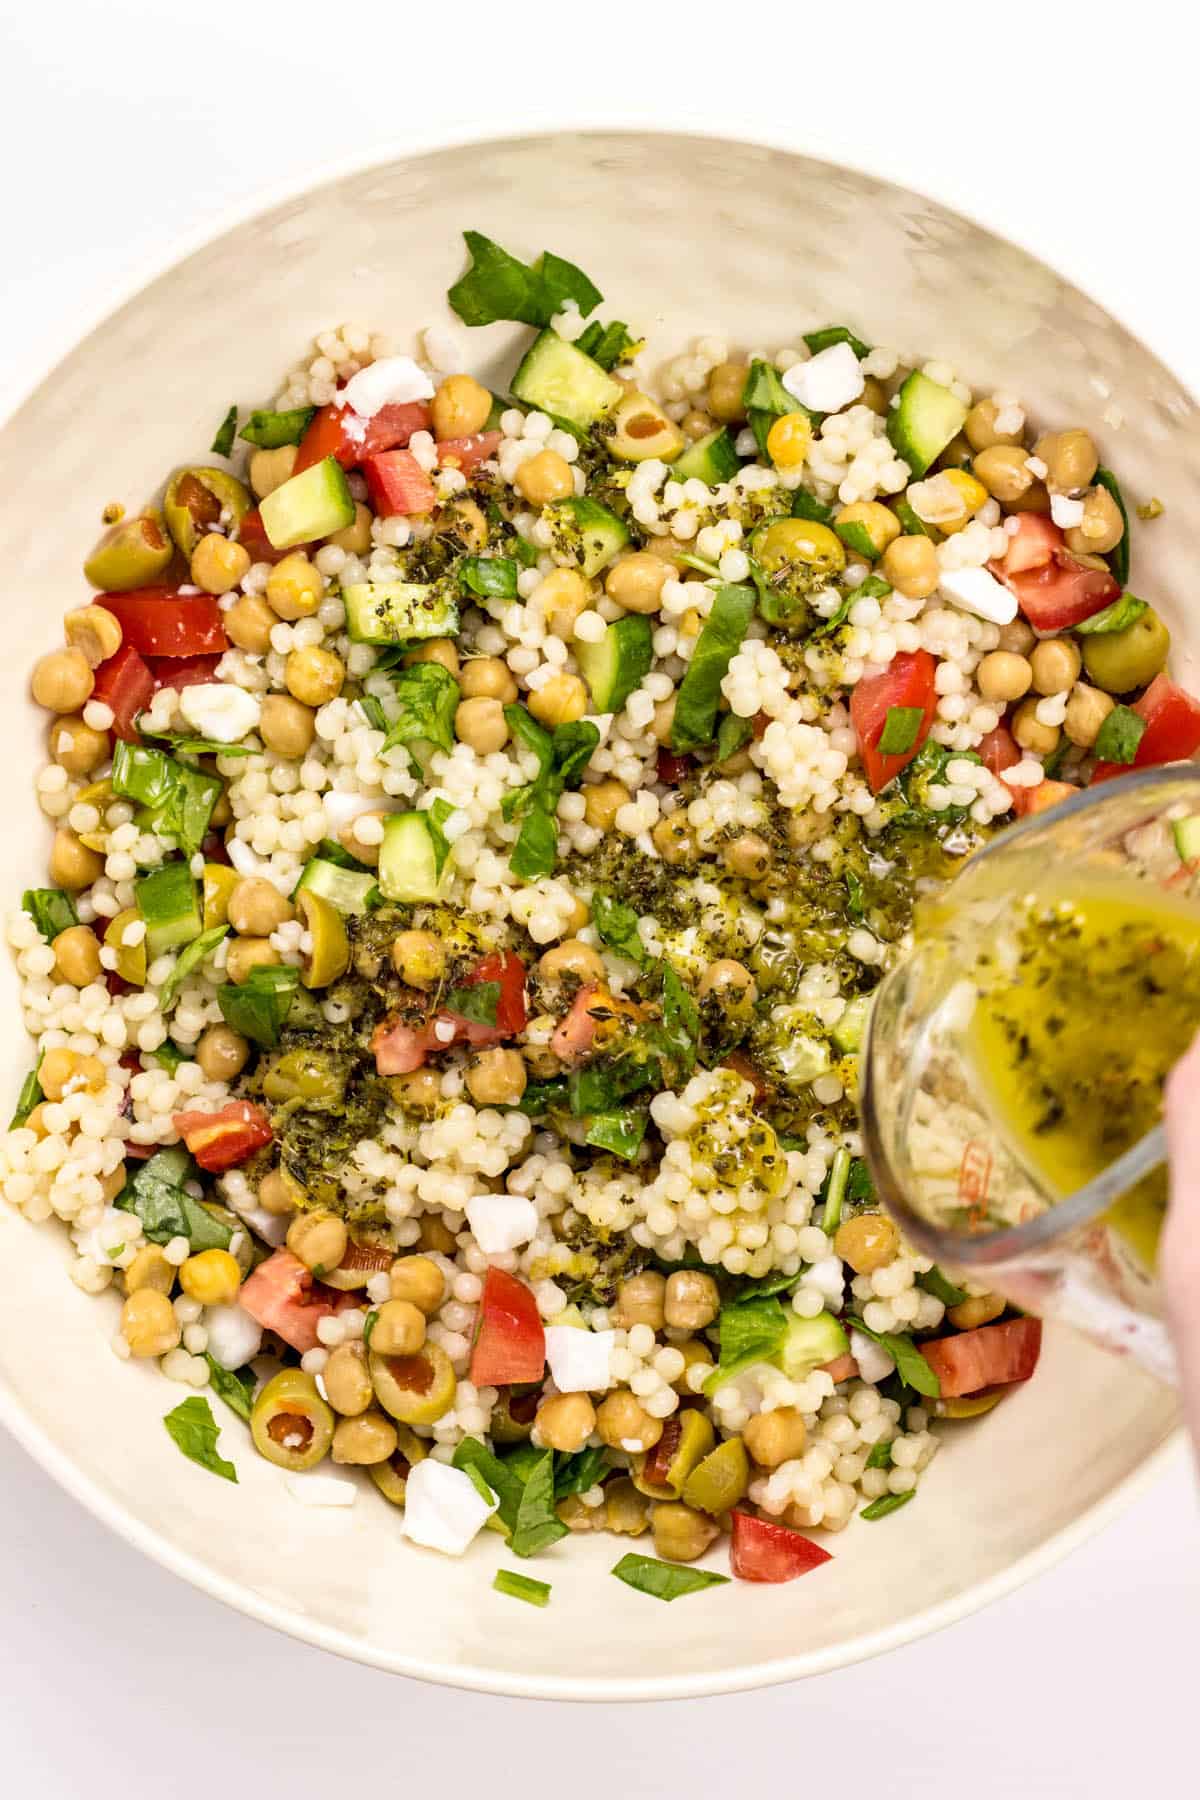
[(501, 1222), (827, 381), (234, 1338), (392, 381), (977, 591), (874, 1363), (579, 1359), (220, 710), (443, 1509)]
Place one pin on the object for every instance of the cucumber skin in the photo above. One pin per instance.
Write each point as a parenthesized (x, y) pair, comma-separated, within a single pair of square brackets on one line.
[(909, 437), (530, 385), (711, 459), (360, 597), (330, 508), (628, 644), (398, 879), (602, 536)]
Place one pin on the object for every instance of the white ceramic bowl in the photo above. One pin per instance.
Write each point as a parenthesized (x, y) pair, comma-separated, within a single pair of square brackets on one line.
[(684, 235)]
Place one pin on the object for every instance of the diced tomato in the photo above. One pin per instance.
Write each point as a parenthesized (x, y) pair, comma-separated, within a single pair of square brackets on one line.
[(161, 622), (183, 671), (1027, 801), (508, 972), (748, 1069), (126, 686), (907, 681), (991, 1356), (1053, 589), (399, 1047), (252, 536), (510, 1344), (398, 484), (339, 431), (671, 767), (998, 750), (1172, 731), (761, 1550), (221, 1140), (592, 1010), (466, 453), (282, 1296), (657, 1465), (842, 1368)]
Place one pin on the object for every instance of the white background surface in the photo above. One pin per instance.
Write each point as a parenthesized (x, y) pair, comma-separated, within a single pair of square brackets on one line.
[(126, 124)]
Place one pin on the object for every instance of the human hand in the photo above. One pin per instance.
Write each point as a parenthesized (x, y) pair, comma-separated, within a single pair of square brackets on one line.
[(1179, 1252)]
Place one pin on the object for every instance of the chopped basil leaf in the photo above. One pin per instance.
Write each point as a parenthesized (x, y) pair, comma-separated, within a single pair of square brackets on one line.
[(911, 1366), (1118, 557), (576, 1474), (837, 618), (1057, 757), (527, 554), (372, 711), (606, 344), (506, 1484), (477, 1003), (222, 443), (732, 735), (155, 1194), (188, 960), (271, 430), (491, 577), (807, 506), (679, 1034), (1126, 610), (537, 1524), (479, 1484), (177, 800), (521, 1587), (900, 730), (540, 1096), (31, 1095), (498, 286), (620, 1131), (562, 755), (536, 850), (836, 334), (935, 1283), (169, 1056), (767, 1286), (703, 563), (258, 1006), (1119, 736), (665, 1581), (428, 697), (51, 910), (887, 1503), (881, 1456), (234, 1386), (700, 690), (183, 745), (927, 770), (616, 925), (195, 1432)]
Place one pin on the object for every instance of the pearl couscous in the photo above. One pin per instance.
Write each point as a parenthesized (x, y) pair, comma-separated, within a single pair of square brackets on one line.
[(478, 826)]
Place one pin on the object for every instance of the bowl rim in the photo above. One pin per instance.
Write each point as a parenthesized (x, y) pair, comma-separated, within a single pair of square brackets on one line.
[(496, 128)]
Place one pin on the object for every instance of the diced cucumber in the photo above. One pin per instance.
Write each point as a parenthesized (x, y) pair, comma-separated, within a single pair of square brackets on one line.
[(924, 420), (557, 378), (619, 663), (168, 900), (308, 506), (710, 459), (391, 612), (348, 890), (700, 691), (1187, 838), (411, 857), (847, 1034), (811, 1342), (858, 539), (588, 533)]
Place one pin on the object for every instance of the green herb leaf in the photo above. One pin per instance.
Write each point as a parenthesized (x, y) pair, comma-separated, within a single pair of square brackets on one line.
[(881, 1456), (537, 1524), (663, 1580), (764, 391), (31, 1095), (222, 443), (620, 1131), (491, 577), (258, 1006), (521, 1587), (835, 1191), (856, 898), (1119, 736), (1118, 558), (935, 1283), (189, 960), (177, 800), (562, 758), (836, 334), (369, 1324), (767, 1286), (927, 770), (1122, 612), (900, 730), (700, 691), (732, 735), (807, 506), (480, 1485), (478, 1003), (911, 1366), (195, 1432), (271, 430), (541, 1096), (372, 711), (606, 344), (505, 1482), (576, 1474), (155, 1194), (572, 749), (751, 1331), (616, 925), (527, 554), (679, 1035), (536, 850), (887, 1503), (183, 745), (234, 1386), (499, 286), (50, 909), (427, 696)]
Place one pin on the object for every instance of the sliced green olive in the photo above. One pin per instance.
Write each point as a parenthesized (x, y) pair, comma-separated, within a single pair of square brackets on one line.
[(641, 430), (806, 542), (290, 1423), (329, 957), (219, 883), (686, 1440), (1118, 661), (197, 499), (971, 1406), (721, 1480), (130, 555), (391, 1477), (418, 1389), (308, 1076), (131, 958), (368, 1253), (514, 1413)]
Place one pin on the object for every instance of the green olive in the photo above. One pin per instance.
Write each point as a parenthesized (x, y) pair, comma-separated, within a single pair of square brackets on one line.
[(307, 1076), (130, 555), (786, 542), (290, 1423), (514, 1413), (642, 430), (418, 1389), (686, 1440), (131, 958), (1120, 660), (329, 957), (391, 1477), (197, 499), (721, 1479), (219, 882), (368, 1253)]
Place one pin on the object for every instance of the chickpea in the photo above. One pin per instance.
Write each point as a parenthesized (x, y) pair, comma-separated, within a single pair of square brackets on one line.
[(672, 838), (436, 1235), (636, 582), (775, 1437), (148, 1323), (669, 549), (246, 953), (641, 1300), (572, 958), (1071, 460), (487, 678), (497, 1077), (681, 1534), (748, 856), (1003, 472), (77, 747), (560, 597), (565, 1422), (1101, 529), (278, 1194), (419, 1091), (545, 478), (419, 1281), (978, 1309), (257, 908), (578, 916), (1017, 636), (319, 1239), (626, 1512), (222, 1053), (557, 702), (624, 1424), (878, 522), (691, 1300), (212, 1277), (354, 539), (95, 631), (249, 622), (314, 675), (218, 563), (1086, 712), (980, 427), (1029, 731), (866, 1242), (286, 727), (269, 469), (399, 1329), (695, 425), (72, 865), (481, 724), (1056, 663), (463, 519), (726, 385), (663, 722), (435, 650), (294, 587), (602, 801), (731, 982), (62, 681), (540, 1058), (576, 1516), (911, 565), (77, 956), (349, 839), (418, 957), (347, 1379), (1036, 499), (460, 407), (1003, 676), (364, 1441), (64, 1071), (150, 1269)]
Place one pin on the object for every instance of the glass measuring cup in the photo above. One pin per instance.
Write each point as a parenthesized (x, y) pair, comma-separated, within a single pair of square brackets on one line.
[(946, 1162)]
